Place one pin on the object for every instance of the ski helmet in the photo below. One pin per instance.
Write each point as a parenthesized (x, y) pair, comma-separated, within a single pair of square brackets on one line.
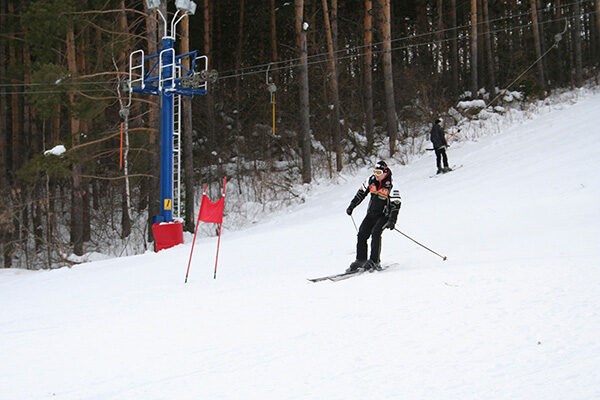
[(381, 166)]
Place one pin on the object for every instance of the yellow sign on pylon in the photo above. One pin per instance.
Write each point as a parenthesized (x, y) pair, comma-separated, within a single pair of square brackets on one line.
[(168, 204)]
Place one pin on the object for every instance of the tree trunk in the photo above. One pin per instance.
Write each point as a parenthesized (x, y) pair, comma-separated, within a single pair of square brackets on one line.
[(30, 141), (542, 41), (239, 53), (6, 206), (209, 97), (439, 59), (86, 212), (333, 82), (313, 38), (333, 11), (16, 129), (390, 104), (304, 94), (76, 195), (49, 212), (81, 68), (577, 42), (474, 70), (238, 138), (55, 127), (368, 73), (423, 28), (3, 107), (597, 11), (273, 32), (125, 195), (491, 64), (453, 49), (537, 44)]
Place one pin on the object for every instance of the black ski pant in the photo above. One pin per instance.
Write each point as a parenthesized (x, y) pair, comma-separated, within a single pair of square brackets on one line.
[(439, 154), (371, 226)]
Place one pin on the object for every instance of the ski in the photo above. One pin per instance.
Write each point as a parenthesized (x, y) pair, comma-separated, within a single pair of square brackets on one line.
[(453, 168), (337, 277), (346, 275)]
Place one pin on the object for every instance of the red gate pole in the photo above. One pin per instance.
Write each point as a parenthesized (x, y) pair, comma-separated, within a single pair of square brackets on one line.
[(220, 230), (218, 245), (194, 241)]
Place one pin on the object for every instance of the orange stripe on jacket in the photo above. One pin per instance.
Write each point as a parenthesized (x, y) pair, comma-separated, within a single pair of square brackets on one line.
[(382, 192)]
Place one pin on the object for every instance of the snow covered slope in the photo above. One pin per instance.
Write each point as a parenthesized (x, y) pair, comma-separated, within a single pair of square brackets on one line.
[(513, 314)]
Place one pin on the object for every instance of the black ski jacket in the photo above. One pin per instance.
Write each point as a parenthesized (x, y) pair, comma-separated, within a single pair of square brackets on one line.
[(383, 202), (438, 138)]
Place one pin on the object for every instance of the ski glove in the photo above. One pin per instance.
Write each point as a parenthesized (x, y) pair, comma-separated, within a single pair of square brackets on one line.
[(395, 205), (358, 198)]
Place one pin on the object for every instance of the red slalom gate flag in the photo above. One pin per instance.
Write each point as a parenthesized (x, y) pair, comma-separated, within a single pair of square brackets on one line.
[(211, 212)]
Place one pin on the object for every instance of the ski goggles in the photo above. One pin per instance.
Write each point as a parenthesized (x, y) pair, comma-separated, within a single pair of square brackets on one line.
[(377, 172)]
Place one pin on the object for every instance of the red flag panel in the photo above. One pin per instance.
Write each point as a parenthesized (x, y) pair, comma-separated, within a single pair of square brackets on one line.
[(211, 211)]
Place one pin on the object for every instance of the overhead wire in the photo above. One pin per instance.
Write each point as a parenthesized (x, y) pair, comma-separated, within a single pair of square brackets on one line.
[(317, 58), (260, 68)]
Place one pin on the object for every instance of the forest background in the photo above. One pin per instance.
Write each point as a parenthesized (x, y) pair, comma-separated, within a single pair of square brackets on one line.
[(355, 79)]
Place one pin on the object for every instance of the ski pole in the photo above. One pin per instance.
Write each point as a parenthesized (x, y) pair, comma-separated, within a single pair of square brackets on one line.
[(425, 247), (354, 222)]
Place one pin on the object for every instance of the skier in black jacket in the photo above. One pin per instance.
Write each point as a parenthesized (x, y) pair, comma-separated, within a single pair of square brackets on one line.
[(438, 138), (382, 213)]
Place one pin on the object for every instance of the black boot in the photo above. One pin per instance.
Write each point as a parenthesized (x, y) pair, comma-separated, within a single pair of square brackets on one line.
[(356, 264), (372, 266)]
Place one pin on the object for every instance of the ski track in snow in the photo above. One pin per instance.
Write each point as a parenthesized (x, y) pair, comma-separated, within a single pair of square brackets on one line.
[(513, 314)]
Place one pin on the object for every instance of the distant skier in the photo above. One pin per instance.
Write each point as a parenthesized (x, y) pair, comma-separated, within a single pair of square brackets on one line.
[(438, 138), (382, 213)]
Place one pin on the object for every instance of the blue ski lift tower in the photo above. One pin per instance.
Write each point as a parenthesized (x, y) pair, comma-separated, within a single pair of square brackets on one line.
[(169, 76)]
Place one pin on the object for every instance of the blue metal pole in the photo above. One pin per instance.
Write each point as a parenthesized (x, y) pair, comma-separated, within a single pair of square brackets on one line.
[(166, 134)]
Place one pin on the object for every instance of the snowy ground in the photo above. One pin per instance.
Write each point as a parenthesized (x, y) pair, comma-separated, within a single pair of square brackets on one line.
[(514, 313)]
